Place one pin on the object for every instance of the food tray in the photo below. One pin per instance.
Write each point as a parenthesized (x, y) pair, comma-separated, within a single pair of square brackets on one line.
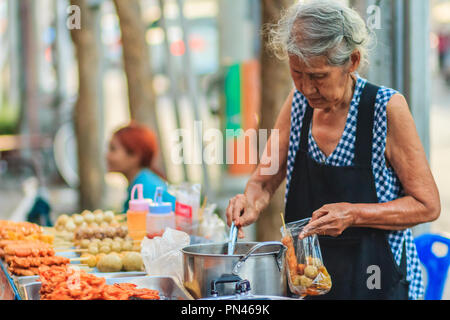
[(168, 287), (8, 290)]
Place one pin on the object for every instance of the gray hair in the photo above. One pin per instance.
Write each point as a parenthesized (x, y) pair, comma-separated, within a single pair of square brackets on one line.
[(320, 28)]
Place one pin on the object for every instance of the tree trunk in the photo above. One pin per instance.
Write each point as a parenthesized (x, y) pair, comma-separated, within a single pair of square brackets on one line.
[(137, 65), (276, 84), (87, 110)]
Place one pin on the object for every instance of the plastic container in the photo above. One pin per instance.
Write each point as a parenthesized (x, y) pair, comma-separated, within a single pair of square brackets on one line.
[(160, 216), (307, 275), (186, 206), (137, 214)]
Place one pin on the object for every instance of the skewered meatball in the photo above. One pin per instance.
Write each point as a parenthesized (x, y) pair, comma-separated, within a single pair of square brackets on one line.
[(110, 232), (85, 243), (70, 225), (110, 263), (88, 233), (105, 249), (104, 224), (119, 239), (98, 233), (77, 219), (108, 241), (98, 217), (62, 219), (123, 231), (116, 246), (127, 246), (93, 225), (108, 216), (132, 261), (93, 249), (89, 217)]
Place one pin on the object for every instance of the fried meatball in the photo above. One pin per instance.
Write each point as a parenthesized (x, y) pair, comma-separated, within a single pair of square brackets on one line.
[(132, 261), (110, 263), (311, 272)]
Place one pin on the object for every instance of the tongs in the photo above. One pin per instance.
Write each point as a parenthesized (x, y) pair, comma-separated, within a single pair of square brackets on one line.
[(232, 239)]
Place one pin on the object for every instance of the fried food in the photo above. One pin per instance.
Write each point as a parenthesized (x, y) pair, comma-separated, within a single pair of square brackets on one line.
[(132, 261), (110, 263), (65, 283)]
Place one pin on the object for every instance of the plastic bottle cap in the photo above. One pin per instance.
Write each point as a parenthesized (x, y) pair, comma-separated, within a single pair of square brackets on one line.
[(139, 204), (159, 207)]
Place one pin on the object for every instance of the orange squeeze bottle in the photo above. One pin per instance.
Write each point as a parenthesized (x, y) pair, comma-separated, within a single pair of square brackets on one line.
[(137, 213)]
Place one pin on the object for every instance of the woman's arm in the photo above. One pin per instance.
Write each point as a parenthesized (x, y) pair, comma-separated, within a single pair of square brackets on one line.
[(405, 153), (244, 209)]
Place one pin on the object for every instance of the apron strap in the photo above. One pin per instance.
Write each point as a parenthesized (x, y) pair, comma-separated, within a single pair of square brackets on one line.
[(305, 128), (364, 130)]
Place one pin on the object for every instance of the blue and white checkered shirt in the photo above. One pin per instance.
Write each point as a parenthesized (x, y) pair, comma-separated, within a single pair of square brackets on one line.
[(387, 184)]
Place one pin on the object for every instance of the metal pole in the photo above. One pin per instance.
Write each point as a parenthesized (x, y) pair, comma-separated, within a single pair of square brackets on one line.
[(399, 50), (193, 92), (417, 73), (63, 55), (174, 90)]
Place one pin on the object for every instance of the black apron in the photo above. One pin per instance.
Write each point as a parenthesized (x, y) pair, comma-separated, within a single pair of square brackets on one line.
[(350, 256)]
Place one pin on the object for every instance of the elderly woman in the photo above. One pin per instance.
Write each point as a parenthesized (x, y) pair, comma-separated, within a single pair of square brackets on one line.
[(352, 157)]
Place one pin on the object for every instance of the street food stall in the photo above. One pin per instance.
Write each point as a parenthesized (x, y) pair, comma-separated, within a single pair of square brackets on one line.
[(90, 256)]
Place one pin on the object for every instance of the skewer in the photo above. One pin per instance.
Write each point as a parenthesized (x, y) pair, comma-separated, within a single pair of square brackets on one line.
[(79, 259), (284, 223), (70, 250), (49, 229), (202, 209), (82, 267), (120, 217)]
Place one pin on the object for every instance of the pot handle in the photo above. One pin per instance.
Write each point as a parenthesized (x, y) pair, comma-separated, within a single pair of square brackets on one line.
[(225, 278), (242, 260)]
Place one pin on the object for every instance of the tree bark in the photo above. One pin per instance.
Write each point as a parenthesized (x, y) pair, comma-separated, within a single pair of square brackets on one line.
[(276, 85), (137, 65), (87, 111)]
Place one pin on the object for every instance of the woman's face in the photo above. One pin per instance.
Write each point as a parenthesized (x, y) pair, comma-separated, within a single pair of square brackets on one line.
[(118, 159), (323, 85)]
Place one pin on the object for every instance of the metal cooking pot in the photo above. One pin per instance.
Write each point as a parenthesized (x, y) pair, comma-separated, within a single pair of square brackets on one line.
[(262, 264)]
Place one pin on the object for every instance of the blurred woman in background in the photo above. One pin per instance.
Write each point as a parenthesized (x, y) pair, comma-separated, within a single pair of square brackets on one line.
[(132, 150)]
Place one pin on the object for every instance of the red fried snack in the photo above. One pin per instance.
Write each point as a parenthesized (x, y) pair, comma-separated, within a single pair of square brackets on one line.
[(66, 283)]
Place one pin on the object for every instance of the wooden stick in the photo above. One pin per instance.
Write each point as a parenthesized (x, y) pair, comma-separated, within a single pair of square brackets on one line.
[(84, 267), (71, 250), (79, 259), (282, 220), (202, 209), (50, 229), (120, 217)]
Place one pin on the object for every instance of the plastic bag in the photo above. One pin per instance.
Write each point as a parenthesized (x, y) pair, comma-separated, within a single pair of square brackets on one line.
[(162, 255), (186, 206), (211, 226), (307, 275)]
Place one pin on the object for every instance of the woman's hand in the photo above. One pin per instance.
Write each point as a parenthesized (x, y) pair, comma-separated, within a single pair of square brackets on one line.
[(242, 212), (330, 220)]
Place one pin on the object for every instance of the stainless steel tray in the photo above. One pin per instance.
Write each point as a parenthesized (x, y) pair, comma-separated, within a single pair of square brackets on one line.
[(20, 281), (168, 287)]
